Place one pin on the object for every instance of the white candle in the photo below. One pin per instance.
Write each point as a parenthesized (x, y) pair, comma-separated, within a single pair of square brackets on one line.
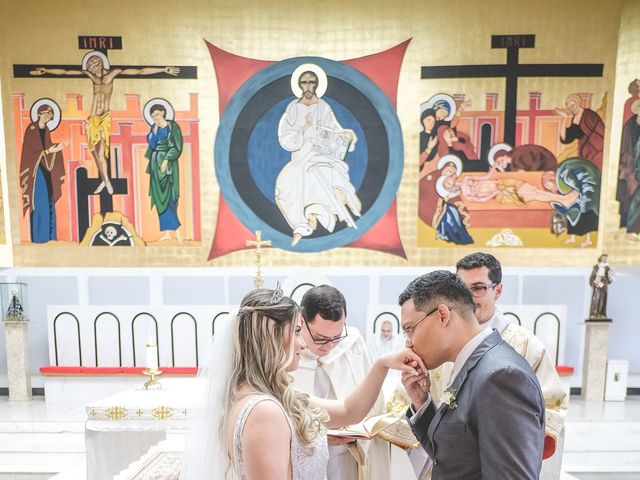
[(152, 357)]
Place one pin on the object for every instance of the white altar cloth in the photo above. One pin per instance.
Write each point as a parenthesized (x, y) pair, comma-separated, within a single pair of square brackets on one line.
[(121, 428), (161, 462)]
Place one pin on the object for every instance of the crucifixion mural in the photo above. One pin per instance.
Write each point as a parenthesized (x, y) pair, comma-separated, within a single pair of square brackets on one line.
[(111, 179)]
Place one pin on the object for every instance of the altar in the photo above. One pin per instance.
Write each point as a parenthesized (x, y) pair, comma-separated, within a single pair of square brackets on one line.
[(121, 428)]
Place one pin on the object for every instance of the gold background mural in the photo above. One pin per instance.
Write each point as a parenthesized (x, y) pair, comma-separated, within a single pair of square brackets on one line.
[(575, 31)]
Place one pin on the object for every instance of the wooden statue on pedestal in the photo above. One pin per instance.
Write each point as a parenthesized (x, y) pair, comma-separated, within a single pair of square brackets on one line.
[(601, 277)]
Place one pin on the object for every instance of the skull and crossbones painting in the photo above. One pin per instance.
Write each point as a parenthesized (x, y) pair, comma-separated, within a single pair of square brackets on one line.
[(112, 235)]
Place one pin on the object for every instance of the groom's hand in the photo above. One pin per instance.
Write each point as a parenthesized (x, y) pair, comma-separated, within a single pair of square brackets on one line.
[(417, 387)]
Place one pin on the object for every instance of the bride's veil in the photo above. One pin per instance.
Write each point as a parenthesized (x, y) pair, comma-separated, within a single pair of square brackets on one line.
[(206, 455)]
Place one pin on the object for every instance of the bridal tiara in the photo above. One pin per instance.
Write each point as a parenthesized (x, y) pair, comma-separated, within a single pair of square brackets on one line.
[(277, 294)]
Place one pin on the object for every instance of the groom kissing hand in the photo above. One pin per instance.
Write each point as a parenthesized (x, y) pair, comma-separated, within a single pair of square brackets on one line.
[(491, 421)]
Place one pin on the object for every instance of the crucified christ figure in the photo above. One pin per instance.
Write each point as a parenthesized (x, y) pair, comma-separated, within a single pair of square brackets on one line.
[(99, 121)]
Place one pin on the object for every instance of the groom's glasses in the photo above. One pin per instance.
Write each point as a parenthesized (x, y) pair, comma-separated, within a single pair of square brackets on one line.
[(408, 332), (325, 340)]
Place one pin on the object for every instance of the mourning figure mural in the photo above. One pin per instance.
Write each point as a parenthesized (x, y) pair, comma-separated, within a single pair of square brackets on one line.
[(42, 171)]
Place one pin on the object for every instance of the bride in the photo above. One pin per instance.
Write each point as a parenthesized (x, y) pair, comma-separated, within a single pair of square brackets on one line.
[(254, 424)]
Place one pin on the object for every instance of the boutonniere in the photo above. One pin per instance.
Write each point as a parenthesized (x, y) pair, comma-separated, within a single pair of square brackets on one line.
[(449, 398)]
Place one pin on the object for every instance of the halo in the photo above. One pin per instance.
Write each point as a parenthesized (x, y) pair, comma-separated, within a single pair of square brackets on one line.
[(450, 159), (494, 149), (55, 121), (424, 106), (95, 53), (157, 101), (441, 97), (311, 67)]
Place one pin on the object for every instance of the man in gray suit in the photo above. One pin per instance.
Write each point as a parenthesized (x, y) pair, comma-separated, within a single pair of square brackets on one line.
[(491, 423)]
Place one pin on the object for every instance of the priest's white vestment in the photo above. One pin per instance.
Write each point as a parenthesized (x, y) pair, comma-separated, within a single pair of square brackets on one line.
[(335, 375)]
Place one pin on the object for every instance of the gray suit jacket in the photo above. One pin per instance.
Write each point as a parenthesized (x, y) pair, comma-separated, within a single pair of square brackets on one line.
[(496, 432)]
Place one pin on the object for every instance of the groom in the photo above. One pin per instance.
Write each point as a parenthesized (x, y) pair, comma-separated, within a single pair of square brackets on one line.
[(491, 422)]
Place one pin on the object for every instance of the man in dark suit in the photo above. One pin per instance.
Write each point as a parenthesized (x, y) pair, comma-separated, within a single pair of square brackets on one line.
[(491, 423)]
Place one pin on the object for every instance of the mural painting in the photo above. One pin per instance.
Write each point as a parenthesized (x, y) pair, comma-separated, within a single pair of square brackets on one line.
[(103, 162), (628, 192), (513, 177), (308, 151)]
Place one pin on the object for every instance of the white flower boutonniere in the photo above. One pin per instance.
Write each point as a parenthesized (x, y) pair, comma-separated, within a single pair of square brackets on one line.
[(449, 398)]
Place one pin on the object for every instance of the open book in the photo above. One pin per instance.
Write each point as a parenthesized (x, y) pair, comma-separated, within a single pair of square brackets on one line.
[(388, 427), (331, 143)]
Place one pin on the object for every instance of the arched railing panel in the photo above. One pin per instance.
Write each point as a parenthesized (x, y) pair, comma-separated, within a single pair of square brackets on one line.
[(547, 327), (107, 337), (66, 340), (145, 335), (188, 336), (381, 317)]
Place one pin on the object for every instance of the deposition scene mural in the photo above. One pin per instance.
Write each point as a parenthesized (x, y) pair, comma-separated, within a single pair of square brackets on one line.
[(95, 176), (309, 152), (494, 173), (628, 191)]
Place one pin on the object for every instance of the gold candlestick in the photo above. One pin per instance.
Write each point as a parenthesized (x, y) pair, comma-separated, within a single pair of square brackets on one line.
[(152, 366), (258, 243), (152, 373)]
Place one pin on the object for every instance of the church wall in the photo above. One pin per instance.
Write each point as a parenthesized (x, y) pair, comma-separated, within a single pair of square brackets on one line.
[(193, 290), (362, 287), (623, 339), (564, 287), (64, 272), (119, 290)]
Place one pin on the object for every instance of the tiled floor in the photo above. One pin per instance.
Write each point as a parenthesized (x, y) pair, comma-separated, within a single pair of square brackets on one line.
[(603, 438), (38, 440)]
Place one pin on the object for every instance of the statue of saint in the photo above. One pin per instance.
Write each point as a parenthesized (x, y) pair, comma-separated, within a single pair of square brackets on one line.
[(601, 277)]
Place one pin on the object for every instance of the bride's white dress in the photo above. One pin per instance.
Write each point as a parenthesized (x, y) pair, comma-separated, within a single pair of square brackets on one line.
[(307, 464)]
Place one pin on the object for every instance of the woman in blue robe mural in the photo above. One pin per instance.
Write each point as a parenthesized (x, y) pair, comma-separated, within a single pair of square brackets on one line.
[(165, 147), (41, 171), (451, 217)]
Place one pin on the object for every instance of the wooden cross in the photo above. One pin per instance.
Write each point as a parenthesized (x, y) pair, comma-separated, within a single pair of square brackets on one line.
[(512, 71), (258, 243)]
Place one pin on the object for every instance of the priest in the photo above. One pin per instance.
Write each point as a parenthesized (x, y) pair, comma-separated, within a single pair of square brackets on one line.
[(335, 361)]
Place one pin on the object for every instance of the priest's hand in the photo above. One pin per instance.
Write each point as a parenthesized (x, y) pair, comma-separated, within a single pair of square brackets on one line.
[(417, 387)]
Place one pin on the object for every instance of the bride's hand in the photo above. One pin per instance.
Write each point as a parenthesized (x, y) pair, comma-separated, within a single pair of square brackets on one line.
[(404, 360)]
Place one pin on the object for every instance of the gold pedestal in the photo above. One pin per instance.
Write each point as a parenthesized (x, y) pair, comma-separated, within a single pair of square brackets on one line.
[(152, 373)]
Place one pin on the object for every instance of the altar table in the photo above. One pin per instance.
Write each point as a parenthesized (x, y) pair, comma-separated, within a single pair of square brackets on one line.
[(119, 429)]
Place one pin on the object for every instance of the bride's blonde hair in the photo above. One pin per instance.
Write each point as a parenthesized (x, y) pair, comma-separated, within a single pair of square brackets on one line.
[(260, 359)]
